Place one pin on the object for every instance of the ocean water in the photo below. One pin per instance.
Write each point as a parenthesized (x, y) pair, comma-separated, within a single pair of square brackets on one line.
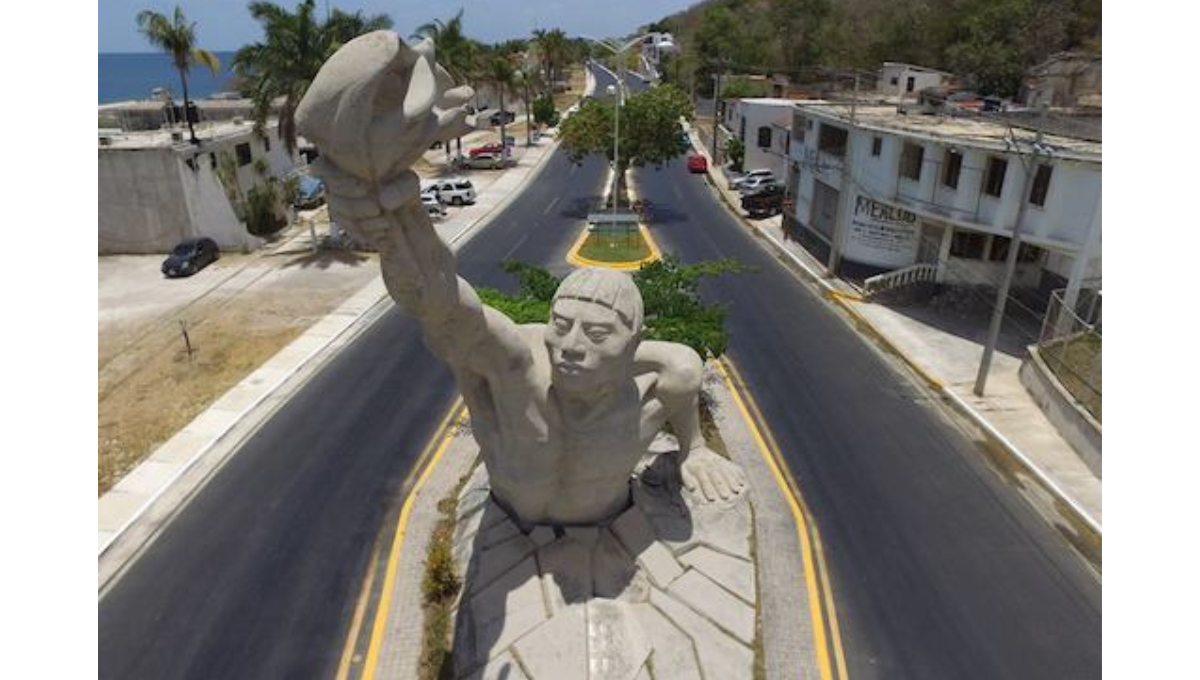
[(132, 76)]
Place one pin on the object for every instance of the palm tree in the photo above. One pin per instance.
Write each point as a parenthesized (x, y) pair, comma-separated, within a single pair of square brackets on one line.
[(527, 78), (285, 63), (177, 37), (501, 75), (455, 52), (552, 47)]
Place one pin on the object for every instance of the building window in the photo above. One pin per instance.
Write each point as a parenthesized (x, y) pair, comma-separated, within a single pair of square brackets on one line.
[(212, 161), (912, 83), (993, 181), (764, 137), (832, 140), (1041, 185), (911, 159), (243, 154), (967, 245), (266, 144), (877, 146), (742, 130), (1001, 244), (895, 80), (952, 169)]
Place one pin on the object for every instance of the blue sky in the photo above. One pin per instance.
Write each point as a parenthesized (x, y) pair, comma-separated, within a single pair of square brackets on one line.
[(226, 25)]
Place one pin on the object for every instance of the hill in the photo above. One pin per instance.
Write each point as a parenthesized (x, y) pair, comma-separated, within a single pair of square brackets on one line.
[(991, 42)]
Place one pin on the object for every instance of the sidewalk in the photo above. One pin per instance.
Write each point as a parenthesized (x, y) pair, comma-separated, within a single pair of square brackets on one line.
[(948, 362), (146, 498)]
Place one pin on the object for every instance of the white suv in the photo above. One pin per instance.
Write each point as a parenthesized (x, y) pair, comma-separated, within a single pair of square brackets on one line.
[(751, 176), (432, 205), (455, 190)]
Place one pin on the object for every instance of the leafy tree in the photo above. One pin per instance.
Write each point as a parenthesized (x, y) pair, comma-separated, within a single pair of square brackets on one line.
[(544, 111), (735, 150), (177, 36), (649, 131), (735, 88), (293, 49), (673, 308)]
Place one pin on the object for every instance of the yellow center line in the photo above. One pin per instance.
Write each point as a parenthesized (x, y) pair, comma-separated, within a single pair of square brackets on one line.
[(820, 592), (442, 436)]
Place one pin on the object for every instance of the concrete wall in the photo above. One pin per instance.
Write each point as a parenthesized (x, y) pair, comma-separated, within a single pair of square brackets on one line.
[(1072, 421), (151, 198)]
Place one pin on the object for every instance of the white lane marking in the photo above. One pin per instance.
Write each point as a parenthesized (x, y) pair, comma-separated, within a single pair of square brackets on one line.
[(512, 250), (550, 205)]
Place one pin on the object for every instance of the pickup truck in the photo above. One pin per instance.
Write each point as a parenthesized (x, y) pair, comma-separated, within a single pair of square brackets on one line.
[(766, 201)]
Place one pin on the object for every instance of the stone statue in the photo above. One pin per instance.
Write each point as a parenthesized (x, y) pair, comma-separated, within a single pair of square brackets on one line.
[(590, 548), (563, 411)]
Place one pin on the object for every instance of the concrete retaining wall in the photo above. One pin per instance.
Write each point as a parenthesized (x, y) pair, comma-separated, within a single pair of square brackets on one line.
[(1073, 422)]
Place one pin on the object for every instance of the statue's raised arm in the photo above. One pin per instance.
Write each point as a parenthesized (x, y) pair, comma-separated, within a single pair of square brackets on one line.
[(372, 111)]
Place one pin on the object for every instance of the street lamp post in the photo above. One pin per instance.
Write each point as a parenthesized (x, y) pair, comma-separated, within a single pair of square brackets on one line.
[(616, 91)]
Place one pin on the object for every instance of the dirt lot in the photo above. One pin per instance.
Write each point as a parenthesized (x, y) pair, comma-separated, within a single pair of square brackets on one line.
[(238, 312)]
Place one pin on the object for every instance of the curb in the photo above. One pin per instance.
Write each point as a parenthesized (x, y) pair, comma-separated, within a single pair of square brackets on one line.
[(351, 326), (842, 299)]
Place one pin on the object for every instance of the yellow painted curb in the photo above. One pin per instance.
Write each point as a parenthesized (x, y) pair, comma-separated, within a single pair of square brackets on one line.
[(820, 600), (573, 256), (883, 340)]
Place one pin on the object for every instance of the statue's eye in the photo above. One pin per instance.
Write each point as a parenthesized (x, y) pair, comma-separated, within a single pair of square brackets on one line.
[(597, 336), (562, 326)]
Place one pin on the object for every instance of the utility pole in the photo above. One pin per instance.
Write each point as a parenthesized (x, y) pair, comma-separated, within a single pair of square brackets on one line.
[(845, 205), (1010, 266), (716, 111)]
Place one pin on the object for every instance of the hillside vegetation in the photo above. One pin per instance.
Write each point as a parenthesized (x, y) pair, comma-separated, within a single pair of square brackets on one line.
[(991, 42)]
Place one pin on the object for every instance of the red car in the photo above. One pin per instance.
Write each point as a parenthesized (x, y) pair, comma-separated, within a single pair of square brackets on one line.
[(493, 147), (697, 163)]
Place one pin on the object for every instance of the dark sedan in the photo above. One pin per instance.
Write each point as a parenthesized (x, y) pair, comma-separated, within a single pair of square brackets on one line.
[(190, 256)]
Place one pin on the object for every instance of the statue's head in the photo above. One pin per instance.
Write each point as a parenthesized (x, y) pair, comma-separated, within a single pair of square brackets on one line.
[(594, 328)]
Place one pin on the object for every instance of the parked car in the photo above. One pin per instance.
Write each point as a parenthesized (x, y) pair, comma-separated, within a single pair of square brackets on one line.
[(310, 192), (490, 147), (767, 200), (455, 190), (485, 161), (753, 174), (432, 205), (502, 117), (755, 183), (190, 256), (697, 163)]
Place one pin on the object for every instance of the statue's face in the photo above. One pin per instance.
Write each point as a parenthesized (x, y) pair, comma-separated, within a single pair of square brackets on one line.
[(589, 346)]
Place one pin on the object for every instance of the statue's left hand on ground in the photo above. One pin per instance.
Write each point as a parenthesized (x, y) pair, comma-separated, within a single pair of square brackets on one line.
[(710, 476)]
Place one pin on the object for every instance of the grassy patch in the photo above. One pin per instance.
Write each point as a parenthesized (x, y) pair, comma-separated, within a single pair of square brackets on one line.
[(439, 588), (615, 247), (1077, 365)]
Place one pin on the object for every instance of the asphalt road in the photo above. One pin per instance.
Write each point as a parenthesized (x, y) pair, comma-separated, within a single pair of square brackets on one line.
[(939, 568), (257, 576)]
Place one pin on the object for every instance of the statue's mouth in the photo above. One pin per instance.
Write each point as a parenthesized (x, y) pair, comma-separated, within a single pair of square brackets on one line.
[(570, 367)]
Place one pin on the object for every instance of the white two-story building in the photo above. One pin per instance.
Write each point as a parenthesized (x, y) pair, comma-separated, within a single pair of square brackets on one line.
[(896, 190), (764, 126)]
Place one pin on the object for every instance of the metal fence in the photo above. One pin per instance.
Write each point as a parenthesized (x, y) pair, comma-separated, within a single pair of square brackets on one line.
[(1070, 344)]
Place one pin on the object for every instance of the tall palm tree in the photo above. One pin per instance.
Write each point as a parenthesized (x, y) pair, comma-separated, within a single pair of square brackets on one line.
[(177, 36), (294, 47), (552, 46), (501, 75)]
